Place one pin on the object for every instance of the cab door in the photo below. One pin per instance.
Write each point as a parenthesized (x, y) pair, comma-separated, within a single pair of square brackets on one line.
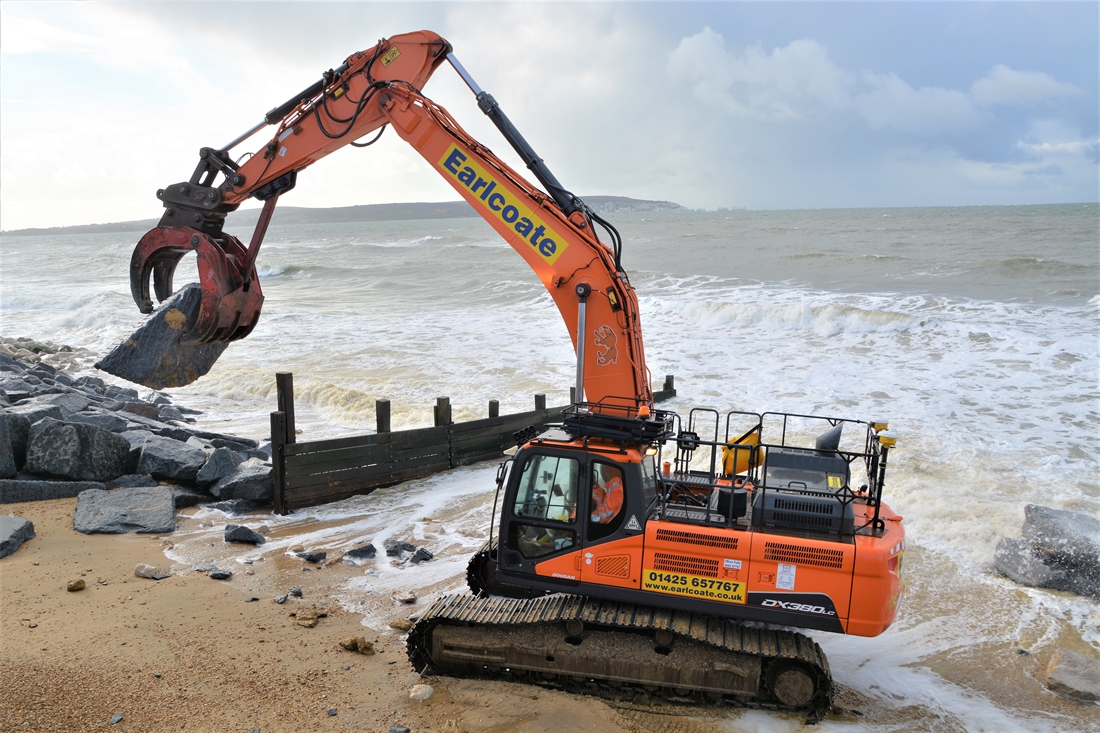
[(540, 525), (614, 526)]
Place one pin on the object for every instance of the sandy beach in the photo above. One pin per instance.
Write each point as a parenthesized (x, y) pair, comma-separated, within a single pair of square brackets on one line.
[(188, 653)]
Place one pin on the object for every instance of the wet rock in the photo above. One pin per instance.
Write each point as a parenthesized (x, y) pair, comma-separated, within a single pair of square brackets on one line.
[(395, 548), (116, 718), (170, 459), (221, 463), (239, 533), (1015, 560), (19, 490), (358, 644), (220, 575), (401, 624), (1074, 675), (35, 412), (421, 555), (1070, 538), (280, 599), (331, 712), (184, 497), (75, 585), (169, 412), (297, 548), (228, 441), (360, 554), (93, 383), (420, 692), (18, 427), (236, 507), (313, 558), (75, 451), (251, 480), (132, 481), (143, 509), (296, 592), (126, 394), (398, 728), (14, 531), (105, 420), (153, 355), (136, 439), (141, 409), (405, 597)]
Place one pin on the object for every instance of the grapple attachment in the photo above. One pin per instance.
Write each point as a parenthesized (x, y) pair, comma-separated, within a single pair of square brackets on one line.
[(231, 295)]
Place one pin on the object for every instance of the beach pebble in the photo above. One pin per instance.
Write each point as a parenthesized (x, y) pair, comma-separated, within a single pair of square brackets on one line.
[(296, 592), (148, 571), (331, 712), (398, 728), (296, 548), (360, 554), (395, 548), (405, 597), (401, 624), (358, 644), (220, 575), (308, 617), (420, 692), (421, 555), (116, 718), (14, 531), (313, 558), (280, 599), (240, 533), (75, 585)]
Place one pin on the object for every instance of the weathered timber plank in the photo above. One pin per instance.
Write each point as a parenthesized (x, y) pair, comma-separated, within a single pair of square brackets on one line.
[(440, 463), (361, 440), (348, 457)]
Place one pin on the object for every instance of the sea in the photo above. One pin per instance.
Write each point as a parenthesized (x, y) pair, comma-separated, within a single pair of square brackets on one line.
[(973, 331)]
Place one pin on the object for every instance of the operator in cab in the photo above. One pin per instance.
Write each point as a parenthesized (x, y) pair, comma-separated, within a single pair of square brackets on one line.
[(607, 493)]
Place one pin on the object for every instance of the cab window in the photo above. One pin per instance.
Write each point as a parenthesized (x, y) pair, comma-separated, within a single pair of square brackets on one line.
[(548, 489), (649, 480)]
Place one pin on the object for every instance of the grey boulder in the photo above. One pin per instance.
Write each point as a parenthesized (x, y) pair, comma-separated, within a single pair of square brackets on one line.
[(17, 490), (1069, 538), (19, 428), (221, 463), (1074, 675), (75, 451), (170, 459), (251, 480), (34, 411), (105, 420), (14, 531), (1019, 561), (69, 403), (7, 451), (143, 509)]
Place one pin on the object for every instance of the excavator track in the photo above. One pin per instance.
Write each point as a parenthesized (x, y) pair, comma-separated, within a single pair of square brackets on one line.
[(621, 651)]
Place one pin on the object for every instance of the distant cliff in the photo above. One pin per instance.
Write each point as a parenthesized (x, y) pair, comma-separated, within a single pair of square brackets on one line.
[(370, 212)]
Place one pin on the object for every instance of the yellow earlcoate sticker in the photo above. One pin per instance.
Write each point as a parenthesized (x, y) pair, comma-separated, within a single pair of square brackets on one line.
[(835, 482), (693, 586), (503, 204), (389, 56)]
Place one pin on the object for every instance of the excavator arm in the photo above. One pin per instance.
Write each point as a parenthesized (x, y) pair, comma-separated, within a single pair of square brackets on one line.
[(553, 232)]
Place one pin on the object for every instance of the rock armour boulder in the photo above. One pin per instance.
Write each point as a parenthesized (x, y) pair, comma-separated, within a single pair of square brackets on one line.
[(75, 451), (170, 459), (14, 531), (251, 480), (143, 509)]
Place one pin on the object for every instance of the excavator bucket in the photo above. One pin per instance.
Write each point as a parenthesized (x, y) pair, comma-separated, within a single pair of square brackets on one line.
[(181, 341)]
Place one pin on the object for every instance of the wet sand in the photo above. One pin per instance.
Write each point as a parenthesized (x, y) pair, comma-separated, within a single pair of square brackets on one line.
[(188, 653)]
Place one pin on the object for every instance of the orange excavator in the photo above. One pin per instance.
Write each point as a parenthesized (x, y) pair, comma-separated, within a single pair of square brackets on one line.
[(633, 552)]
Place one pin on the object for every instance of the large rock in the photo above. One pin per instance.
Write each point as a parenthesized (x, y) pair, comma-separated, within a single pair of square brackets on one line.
[(7, 452), (251, 480), (240, 533), (14, 531), (186, 497), (1020, 561), (170, 459), (221, 463), (69, 403), (75, 451), (18, 490), (19, 428), (105, 420), (1069, 538), (154, 356), (142, 509), (1074, 675), (34, 411)]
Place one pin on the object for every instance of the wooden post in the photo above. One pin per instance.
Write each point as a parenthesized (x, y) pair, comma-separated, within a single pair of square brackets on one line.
[(442, 411), (382, 415), (278, 475), (494, 408), (670, 380), (284, 385), (540, 402), (572, 395)]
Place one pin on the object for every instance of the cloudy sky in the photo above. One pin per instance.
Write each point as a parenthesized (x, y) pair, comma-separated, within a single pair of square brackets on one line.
[(778, 105)]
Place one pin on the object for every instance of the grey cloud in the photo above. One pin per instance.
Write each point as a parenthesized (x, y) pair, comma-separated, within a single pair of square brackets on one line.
[(1005, 86)]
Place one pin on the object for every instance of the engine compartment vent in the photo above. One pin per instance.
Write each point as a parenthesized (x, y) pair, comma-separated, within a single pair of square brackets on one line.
[(798, 555), (684, 564), (696, 538)]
